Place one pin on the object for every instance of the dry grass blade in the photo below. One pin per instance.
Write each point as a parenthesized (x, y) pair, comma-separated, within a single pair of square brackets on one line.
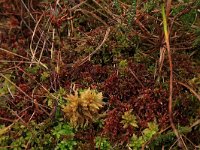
[(161, 59), (33, 51), (79, 63), (136, 78), (15, 86), (109, 12), (195, 123), (77, 6), (88, 13), (22, 2), (191, 90), (18, 88), (7, 128), (14, 54)]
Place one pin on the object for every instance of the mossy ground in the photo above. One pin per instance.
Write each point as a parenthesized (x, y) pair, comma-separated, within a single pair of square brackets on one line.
[(49, 50)]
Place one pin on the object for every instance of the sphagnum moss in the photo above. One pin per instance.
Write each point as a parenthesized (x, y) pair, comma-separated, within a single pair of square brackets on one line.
[(82, 107)]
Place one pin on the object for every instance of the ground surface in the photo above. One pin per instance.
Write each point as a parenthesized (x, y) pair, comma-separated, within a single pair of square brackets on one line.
[(96, 75)]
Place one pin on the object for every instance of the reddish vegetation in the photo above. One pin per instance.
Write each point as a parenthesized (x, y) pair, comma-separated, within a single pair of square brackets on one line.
[(113, 128), (131, 87)]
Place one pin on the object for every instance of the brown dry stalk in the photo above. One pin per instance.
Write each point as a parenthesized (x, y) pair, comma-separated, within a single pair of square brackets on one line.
[(166, 32), (179, 138), (171, 91)]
